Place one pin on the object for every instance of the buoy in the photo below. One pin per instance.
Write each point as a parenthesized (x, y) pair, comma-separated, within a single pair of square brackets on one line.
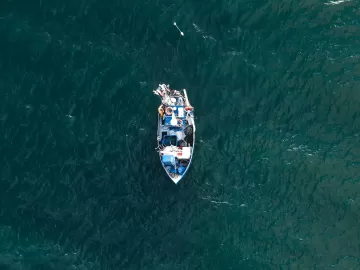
[(181, 32), (168, 110)]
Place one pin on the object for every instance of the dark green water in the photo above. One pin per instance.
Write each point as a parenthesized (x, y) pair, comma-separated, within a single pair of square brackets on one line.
[(275, 179)]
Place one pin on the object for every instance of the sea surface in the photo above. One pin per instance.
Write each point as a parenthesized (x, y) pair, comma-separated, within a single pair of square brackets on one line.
[(274, 182)]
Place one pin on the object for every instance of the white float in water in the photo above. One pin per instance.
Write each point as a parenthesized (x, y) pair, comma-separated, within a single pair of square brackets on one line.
[(181, 32)]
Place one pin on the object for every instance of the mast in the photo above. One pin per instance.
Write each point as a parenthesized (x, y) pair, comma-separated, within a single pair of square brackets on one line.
[(186, 99)]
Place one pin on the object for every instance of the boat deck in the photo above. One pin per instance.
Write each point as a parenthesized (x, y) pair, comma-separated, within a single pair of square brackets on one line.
[(176, 136)]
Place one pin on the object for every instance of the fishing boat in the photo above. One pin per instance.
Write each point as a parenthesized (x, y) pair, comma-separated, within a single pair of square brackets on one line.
[(175, 132)]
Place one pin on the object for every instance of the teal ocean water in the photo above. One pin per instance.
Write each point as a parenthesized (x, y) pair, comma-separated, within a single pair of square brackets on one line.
[(275, 179)]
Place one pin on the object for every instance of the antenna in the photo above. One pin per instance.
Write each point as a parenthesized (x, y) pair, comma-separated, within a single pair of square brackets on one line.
[(182, 33)]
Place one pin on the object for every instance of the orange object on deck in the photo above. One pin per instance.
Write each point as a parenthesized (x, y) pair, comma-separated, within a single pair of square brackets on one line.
[(168, 110), (161, 110)]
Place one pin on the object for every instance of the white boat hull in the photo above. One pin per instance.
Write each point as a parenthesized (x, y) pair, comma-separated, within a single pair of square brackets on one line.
[(176, 134)]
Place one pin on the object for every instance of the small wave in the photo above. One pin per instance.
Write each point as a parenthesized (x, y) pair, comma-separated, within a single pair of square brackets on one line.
[(35, 252), (331, 3)]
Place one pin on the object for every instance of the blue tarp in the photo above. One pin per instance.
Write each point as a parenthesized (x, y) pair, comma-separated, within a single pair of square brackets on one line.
[(181, 170), (168, 159)]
